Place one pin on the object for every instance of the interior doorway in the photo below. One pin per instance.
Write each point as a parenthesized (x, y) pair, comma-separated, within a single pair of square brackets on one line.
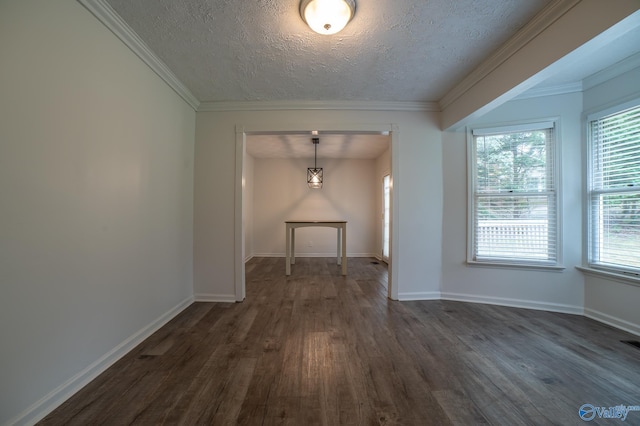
[(244, 177)]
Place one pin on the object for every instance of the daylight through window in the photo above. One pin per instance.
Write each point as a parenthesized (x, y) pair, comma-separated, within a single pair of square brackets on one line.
[(614, 190), (514, 197)]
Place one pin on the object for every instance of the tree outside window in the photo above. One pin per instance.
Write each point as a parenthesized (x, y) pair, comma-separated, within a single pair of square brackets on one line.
[(514, 196)]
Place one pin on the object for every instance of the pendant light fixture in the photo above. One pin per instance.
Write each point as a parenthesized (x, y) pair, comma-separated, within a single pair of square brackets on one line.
[(314, 175), (327, 16)]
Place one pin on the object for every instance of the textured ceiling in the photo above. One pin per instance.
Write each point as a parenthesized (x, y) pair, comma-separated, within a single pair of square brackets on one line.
[(261, 50), (394, 50)]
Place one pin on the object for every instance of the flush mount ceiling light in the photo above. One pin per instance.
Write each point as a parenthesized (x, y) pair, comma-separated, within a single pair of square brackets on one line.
[(327, 16), (314, 175)]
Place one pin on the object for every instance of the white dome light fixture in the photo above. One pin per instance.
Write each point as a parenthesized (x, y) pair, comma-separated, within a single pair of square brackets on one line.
[(327, 16)]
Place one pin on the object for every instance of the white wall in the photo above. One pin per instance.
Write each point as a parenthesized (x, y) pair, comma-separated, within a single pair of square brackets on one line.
[(418, 189), (561, 291), (281, 193), (610, 300), (96, 172), (96, 181)]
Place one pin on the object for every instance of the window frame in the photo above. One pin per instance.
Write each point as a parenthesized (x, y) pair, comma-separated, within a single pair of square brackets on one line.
[(554, 173), (624, 274)]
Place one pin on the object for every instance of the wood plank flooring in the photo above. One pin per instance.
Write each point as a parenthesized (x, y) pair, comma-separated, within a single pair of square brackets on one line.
[(317, 348)]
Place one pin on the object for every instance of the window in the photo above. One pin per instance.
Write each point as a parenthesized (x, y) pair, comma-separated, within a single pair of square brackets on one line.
[(614, 189), (513, 196)]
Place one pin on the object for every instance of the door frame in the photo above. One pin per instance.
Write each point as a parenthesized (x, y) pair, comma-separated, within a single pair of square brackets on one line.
[(242, 130), (382, 256)]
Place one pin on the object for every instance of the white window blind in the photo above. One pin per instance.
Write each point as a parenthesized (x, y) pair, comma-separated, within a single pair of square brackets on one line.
[(514, 204), (614, 191)]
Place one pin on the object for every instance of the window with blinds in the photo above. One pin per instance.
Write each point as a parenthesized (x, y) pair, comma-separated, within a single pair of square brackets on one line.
[(514, 215), (614, 189)]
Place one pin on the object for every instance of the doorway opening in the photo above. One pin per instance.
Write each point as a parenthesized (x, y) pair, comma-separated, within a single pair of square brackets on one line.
[(248, 171)]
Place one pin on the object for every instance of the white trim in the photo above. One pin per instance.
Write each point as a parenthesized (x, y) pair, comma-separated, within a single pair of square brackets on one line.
[(471, 165), (218, 298), (610, 275), (238, 228), (589, 227), (544, 19), (243, 129), (513, 128), (553, 123), (586, 177), (317, 105), (514, 303), (384, 174), (611, 72), (248, 258), (591, 112), (393, 272), (615, 322), (589, 82), (239, 282), (561, 89), (589, 115), (110, 18), (619, 107), (419, 295), (522, 265), (625, 65), (39, 409)]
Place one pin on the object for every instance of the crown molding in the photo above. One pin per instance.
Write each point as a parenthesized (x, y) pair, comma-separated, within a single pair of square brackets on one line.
[(317, 105), (561, 89), (613, 71), (110, 18), (551, 13)]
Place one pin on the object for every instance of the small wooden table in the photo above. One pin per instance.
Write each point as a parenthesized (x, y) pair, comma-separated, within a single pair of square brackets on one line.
[(340, 225)]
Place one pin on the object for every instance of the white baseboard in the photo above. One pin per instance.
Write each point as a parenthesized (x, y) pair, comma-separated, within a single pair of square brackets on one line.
[(222, 298), (421, 295), (619, 323), (39, 409), (514, 303), (248, 258)]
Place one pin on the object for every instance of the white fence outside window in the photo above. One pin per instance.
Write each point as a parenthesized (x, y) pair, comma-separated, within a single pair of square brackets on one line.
[(507, 238)]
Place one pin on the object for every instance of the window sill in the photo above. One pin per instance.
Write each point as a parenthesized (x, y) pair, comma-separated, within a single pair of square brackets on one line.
[(614, 276), (521, 266)]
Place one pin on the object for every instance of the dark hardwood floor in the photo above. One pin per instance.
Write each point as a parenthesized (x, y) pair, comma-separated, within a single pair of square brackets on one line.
[(317, 348)]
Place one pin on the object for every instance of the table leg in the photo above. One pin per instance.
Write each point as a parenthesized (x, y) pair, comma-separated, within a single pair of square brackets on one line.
[(287, 251), (293, 246), (339, 246), (344, 250)]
